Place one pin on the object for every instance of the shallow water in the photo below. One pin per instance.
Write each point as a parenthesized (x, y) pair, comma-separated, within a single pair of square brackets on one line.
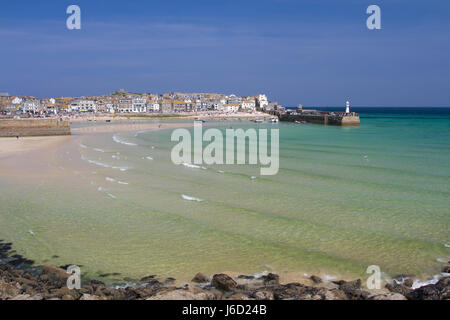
[(344, 199)]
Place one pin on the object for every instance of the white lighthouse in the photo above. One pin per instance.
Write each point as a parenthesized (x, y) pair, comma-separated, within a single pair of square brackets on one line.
[(347, 107)]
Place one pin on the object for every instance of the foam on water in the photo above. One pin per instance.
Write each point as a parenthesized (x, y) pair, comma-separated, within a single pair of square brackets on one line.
[(115, 180), (104, 165), (189, 198), (121, 141), (193, 166), (417, 284)]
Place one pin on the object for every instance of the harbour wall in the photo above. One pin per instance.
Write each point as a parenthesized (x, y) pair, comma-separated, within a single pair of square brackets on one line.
[(327, 119), (34, 127)]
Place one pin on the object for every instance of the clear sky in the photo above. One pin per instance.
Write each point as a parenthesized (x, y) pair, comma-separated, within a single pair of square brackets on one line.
[(314, 52)]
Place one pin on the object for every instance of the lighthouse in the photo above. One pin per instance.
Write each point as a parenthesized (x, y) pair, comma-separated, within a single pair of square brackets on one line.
[(347, 107)]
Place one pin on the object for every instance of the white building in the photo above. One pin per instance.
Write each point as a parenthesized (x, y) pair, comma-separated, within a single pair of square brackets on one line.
[(249, 105), (232, 107), (31, 106), (139, 105), (16, 100), (87, 106), (153, 107), (262, 101)]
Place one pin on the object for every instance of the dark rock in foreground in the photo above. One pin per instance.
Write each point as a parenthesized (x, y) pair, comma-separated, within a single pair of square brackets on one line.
[(200, 278), (223, 282), (50, 283)]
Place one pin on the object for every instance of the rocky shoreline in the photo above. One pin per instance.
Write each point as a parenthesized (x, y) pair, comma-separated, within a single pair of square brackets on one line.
[(19, 280)]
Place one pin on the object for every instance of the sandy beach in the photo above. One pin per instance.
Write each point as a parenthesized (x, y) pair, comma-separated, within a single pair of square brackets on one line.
[(13, 146)]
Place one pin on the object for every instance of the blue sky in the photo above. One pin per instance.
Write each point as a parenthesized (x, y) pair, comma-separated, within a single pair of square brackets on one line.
[(313, 52)]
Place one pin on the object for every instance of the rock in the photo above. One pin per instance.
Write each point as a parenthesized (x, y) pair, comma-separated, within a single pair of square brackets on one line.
[(148, 278), (8, 290), (290, 291), (335, 294), (183, 295), (271, 279), (446, 269), (169, 281), (200, 278), (408, 282), (89, 297), (388, 296), (146, 291), (64, 292), (223, 282), (438, 291), (316, 279), (239, 296), (353, 290), (399, 288), (21, 297), (96, 283), (243, 276), (242, 287), (263, 295), (124, 294), (55, 276), (28, 297)]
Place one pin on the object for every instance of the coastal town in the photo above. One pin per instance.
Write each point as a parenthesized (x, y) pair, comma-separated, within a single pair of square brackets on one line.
[(124, 102)]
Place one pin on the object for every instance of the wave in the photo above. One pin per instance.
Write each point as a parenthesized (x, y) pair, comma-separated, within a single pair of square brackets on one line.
[(189, 198), (118, 140), (418, 284), (111, 195), (99, 150), (116, 181), (139, 132), (149, 158), (328, 278), (104, 165), (193, 166), (446, 245), (83, 146)]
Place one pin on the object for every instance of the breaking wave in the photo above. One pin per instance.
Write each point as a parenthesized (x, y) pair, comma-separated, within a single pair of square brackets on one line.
[(119, 140)]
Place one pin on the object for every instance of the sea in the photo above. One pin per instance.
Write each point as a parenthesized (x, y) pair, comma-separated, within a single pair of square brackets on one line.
[(344, 199)]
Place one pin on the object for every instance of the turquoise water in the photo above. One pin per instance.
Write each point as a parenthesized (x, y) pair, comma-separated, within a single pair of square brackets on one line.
[(343, 199)]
